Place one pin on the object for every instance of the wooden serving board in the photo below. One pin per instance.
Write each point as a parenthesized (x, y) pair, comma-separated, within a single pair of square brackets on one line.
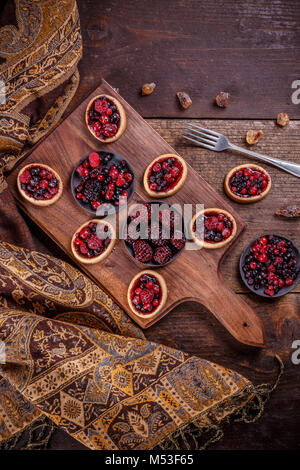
[(194, 275)]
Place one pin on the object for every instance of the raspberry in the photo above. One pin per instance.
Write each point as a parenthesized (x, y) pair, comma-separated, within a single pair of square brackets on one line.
[(162, 255), (142, 251), (141, 211), (83, 249), (94, 243), (97, 127), (84, 233), (94, 159), (147, 296), (25, 177), (109, 130), (101, 106)]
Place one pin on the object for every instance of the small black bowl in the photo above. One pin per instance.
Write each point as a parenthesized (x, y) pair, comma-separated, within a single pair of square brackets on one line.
[(114, 158), (284, 290), (129, 248)]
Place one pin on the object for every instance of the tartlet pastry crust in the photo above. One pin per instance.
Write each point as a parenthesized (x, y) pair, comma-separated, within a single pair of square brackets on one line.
[(101, 256), (178, 186), (44, 202), (163, 299), (123, 119), (212, 245), (246, 200)]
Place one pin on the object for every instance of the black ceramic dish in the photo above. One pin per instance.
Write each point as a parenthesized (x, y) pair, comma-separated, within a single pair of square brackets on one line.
[(115, 159), (129, 248), (284, 290)]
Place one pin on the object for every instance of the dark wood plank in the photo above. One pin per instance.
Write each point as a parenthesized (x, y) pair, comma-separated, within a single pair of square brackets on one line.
[(192, 328), (260, 218), (200, 280), (245, 47)]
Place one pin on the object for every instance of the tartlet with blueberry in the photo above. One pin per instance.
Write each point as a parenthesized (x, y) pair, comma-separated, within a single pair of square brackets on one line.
[(213, 228), (247, 183), (93, 241), (165, 175), (147, 294), (39, 184), (105, 118)]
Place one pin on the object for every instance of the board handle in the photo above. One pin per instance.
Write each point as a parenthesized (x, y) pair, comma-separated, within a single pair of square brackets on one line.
[(235, 314)]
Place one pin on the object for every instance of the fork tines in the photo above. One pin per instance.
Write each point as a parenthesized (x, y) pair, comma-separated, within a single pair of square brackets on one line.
[(201, 136)]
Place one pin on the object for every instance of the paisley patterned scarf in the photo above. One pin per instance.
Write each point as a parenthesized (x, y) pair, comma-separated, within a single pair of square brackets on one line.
[(68, 354), (74, 356)]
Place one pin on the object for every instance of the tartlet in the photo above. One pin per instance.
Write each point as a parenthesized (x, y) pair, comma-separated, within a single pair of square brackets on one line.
[(147, 294), (89, 243), (39, 184), (247, 183), (219, 228), (105, 118), (165, 175)]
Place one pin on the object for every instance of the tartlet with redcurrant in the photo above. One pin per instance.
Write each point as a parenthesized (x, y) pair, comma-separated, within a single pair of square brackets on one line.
[(247, 183), (105, 118), (93, 241), (165, 175), (213, 228), (270, 265), (147, 294), (39, 184)]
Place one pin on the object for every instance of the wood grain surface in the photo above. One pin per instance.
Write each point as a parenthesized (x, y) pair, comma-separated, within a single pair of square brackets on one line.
[(190, 326), (194, 275), (249, 48)]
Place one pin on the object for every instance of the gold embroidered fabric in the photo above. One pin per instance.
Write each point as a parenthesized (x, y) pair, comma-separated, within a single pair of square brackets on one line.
[(73, 355), (40, 54)]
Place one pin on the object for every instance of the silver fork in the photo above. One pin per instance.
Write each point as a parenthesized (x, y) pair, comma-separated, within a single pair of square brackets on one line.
[(214, 141)]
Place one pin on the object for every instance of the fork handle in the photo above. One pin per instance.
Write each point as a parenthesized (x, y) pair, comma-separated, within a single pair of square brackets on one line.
[(290, 167)]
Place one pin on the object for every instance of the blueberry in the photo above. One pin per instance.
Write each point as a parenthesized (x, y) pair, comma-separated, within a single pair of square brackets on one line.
[(53, 183), (34, 171), (115, 118), (34, 181)]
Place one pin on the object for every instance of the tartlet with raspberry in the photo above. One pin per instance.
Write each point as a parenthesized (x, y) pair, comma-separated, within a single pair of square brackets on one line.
[(105, 118), (147, 294), (165, 175), (93, 241), (213, 228), (247, 183), (39, 184)]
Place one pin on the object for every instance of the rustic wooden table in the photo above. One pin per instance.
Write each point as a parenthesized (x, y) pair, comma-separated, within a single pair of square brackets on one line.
[(250, 49)]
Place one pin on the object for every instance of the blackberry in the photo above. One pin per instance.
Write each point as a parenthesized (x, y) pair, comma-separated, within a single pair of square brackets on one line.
[(92, 190)]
